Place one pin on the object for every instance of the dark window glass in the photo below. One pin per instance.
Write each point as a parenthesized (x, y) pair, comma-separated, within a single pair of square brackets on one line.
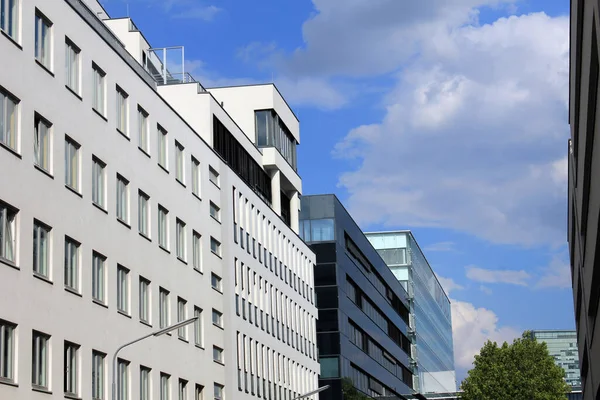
[(328, 343), (327, 297), (325, 252), (328, 321), (325, 274)]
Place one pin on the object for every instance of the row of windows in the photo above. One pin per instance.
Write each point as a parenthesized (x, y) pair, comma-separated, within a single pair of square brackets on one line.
[(41, 370), (264, 372), (266, 243), (265, 306), (369, 385)]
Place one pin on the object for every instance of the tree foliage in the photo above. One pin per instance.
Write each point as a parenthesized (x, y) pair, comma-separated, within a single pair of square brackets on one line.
[(523, 370), (350, 392)]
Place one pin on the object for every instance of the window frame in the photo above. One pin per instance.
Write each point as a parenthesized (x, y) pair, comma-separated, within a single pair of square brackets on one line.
[(123, 290), (72, 262), (215, 211), (122, 379), (123, 203), (219, 320), (99, 182), (42, 143), (122, 104), (9, 136), (163, 227), (214, 177), (163, 147), (179, 163), (71, 369), (143, 130), (8, 225), (99, 90), (196, 177), (145, 384), (217, 250), (72, 164), (165, 386), (144, 219), (197, 251), (145, 300), (219, 282), (98, 273), (180, 239), (163, 308), (10, 23), (40, 366), (7, 350), (181, 316), (45, 270), (198, 327), (72, 66), (43, 40), (98, 375)]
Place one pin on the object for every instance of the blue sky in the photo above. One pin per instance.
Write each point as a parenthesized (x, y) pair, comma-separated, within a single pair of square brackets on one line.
[(446, 117)]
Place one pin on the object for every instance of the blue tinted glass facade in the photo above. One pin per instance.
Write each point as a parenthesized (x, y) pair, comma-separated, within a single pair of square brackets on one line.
[(430, 310), (362, 330), (562, 345)]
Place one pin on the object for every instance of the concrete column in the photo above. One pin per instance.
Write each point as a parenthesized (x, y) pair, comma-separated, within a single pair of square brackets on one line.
[(295, 211), (276, 191)]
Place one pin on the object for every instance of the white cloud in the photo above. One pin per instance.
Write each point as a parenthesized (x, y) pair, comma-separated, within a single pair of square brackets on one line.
[(485, 289), (512, 277), (556, 275), (481, 136), (441, 246), (449, 285)]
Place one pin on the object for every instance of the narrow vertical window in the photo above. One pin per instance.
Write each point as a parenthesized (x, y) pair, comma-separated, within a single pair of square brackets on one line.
[(39, 362), (196, 177), (165, 386), (43, 31), (215, 246), (122, 199), (72, 66), (218, 390), (197, 251), (72, 164), (145, 383), (8, 118), (179, 162), (198, 393), (123, 289), (144, 300), (216, 282), (41, 143), (7, 350), (217, 318), (162, 148), (122, 113), (99, 182), (218, 354), (98, 277), (144, 214), (71, 264), (181, 316), (163, 307), (122, 379), (98, 360), (71, 372), (215, 211), (163, 227), (213, 176), (181, 242), (9, 17), (198, 327), (182, 389), (99, 98), (8, 234), (41, 249), (143, 133)]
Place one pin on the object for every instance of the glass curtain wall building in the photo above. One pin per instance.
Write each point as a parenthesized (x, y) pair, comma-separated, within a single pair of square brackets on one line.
[(362, 330), (562, 345), (430, 313)]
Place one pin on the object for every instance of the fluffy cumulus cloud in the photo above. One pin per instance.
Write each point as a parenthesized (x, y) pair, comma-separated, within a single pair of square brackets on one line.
[(449, 285), (512, 277), (557, 274), (474, 136)]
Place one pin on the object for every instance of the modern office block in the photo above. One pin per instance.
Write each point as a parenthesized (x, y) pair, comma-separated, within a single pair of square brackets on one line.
[(430, 313), (131, 199), (562, 345), (584, 188), (362, 331)]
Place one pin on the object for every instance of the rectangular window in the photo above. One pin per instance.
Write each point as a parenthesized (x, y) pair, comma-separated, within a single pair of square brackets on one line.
[(122, 199), (165, 386), (162, 148), (42, 143), (163, 227), (197, 251), (215, 246), (181, 316), (198, 392), (98, 360), (215, 211), (122, 113), (99, 100), (180, 162), (7, 350), (98, 277), (180, 228), (8, 118), (195, 176), (72, 66), (182, 389), (9, 18), (144, 214), (41, 249), (198, 327), (72, 264), (145, 383), (163, 308), (72, 164), (39, 360), (218, 354), (122, 379), (123, 289), (71, 372), (217, 318), (143, 133), (213, 176), (145, 303), (216, 282), (99, 182), (43, 32), (218, 391), (8, 232)]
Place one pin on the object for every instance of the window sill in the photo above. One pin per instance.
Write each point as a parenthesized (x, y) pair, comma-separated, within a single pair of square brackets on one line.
[(4, 381), (145, 152), (99, 207), (164, 249), (217, 290), (42, 278), (213, 217), (217, 254), (73, 291), (219, 326), (47, 173), (148, 324), (219, 362), (74, 191), (124, 134), (72, 396), (6, 35), (181, 183), (124, 313), (182, 260), (74, 92), (123, 223), (98, 113), (101, 304), (198, 271), (183, 339), (145, 237), (10, 149), (163, 168), (197, 196), (44, 67), (216, 185), (40, 389), (9, 263)]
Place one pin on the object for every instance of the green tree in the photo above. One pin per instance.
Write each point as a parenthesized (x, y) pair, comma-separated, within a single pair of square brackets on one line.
[(350, 392), (523, 370)]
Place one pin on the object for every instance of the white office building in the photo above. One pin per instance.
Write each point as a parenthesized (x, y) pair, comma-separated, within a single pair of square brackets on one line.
[(132, 198)]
